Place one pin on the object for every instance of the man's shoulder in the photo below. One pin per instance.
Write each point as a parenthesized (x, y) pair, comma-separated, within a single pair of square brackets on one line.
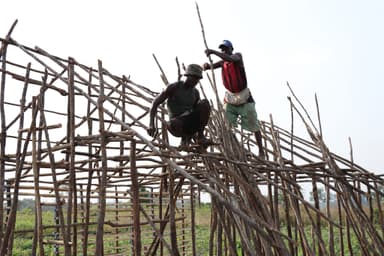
[(236, 57), (239, 58), (238, 54), (173, 86), (176, 87)]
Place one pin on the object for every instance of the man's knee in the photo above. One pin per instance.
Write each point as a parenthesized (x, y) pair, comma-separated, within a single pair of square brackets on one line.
[(175, 127), (203, 105)]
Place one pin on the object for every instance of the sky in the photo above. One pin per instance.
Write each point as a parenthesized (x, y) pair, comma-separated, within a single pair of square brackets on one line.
[(331, 48)]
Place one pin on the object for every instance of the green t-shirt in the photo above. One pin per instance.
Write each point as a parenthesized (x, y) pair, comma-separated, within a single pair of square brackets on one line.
[(182, 99)]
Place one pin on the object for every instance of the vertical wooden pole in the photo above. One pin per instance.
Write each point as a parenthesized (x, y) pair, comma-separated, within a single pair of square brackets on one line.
[(219, 241), (315, 194), (183, 225), (164, 180), (172, 208), (103, 181), (72, 197), (117, 238), (163, 188), (60, 218), (82, 214), (213, 227), (3, 130), (123, 89), (329, 215), (341, 235), (135, 201), (19, 166), (193, 219), (39, 221), (40, 107), (90, 173)]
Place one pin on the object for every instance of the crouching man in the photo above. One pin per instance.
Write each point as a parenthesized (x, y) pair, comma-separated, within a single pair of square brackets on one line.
[(188, 114)]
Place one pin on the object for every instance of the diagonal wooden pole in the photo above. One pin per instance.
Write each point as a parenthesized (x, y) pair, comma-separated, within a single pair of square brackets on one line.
[(209, 57)]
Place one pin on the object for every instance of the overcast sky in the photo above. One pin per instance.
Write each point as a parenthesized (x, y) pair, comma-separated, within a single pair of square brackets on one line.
[(331, 48)]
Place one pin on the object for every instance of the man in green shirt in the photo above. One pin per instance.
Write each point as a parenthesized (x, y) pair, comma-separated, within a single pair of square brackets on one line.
[(188, 114)]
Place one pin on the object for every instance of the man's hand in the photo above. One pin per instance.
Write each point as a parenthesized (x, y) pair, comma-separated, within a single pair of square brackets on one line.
[(206, 66), (209, 52), (151, 130)]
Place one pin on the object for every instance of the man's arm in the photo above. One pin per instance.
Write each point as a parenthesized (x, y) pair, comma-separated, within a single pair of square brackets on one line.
[(155, 104), (225, 57), (215, 65), (197, 98)]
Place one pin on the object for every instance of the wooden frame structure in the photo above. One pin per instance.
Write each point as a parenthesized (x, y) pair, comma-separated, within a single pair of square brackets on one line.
[(74, 138)]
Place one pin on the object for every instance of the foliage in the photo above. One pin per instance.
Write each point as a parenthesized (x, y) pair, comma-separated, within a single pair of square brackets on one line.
[(26, 221), (26, 203)]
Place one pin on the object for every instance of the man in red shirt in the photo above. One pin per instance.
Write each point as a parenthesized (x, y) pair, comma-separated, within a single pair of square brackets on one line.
[(238, 101)]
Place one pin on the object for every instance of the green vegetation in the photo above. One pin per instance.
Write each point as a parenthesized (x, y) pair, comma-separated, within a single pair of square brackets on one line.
[(203, 221), (26, 222)]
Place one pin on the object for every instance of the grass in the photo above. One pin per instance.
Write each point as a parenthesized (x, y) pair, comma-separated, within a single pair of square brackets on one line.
[(203, 221), (26, 219)]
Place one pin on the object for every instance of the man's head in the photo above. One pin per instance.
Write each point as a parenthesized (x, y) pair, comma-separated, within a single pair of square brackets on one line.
[(226, 46), (194, 70)]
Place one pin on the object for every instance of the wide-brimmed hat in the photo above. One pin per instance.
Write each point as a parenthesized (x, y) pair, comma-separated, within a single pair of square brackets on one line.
[(194, 70), (226, 43)]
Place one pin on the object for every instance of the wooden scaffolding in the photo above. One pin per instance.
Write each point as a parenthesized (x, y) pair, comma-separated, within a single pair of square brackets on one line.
[(73, 138)]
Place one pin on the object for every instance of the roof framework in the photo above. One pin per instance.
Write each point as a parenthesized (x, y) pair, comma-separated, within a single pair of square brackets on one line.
[(74, 138)]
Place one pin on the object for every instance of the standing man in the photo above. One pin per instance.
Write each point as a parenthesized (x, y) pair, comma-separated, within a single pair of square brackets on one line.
[(238, 100), (188, 115)]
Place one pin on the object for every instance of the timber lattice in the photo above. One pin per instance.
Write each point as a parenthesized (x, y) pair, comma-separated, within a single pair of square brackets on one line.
[(74, 138)]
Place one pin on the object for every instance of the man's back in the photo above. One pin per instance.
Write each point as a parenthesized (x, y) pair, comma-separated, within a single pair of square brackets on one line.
[(233, 75), (182, 99)]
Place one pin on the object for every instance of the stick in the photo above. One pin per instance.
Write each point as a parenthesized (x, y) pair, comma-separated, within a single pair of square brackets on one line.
[(209, 57), (163, 76)]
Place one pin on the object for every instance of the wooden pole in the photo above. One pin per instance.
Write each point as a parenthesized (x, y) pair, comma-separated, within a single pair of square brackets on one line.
[(99, 249), (38, 235), (135, 202), (72, 197), (3, 130)]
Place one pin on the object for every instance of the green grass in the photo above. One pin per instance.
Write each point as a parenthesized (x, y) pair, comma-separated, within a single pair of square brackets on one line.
[(26, 221)]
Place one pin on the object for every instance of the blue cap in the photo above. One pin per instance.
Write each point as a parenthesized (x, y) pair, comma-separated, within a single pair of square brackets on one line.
[(226, 43)]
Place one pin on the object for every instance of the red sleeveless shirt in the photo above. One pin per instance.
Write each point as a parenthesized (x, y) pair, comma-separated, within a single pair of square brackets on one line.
[(233, 75)]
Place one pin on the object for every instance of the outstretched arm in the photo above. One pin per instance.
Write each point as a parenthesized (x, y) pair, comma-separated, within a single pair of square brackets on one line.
[(215, 65), (224, 56)]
